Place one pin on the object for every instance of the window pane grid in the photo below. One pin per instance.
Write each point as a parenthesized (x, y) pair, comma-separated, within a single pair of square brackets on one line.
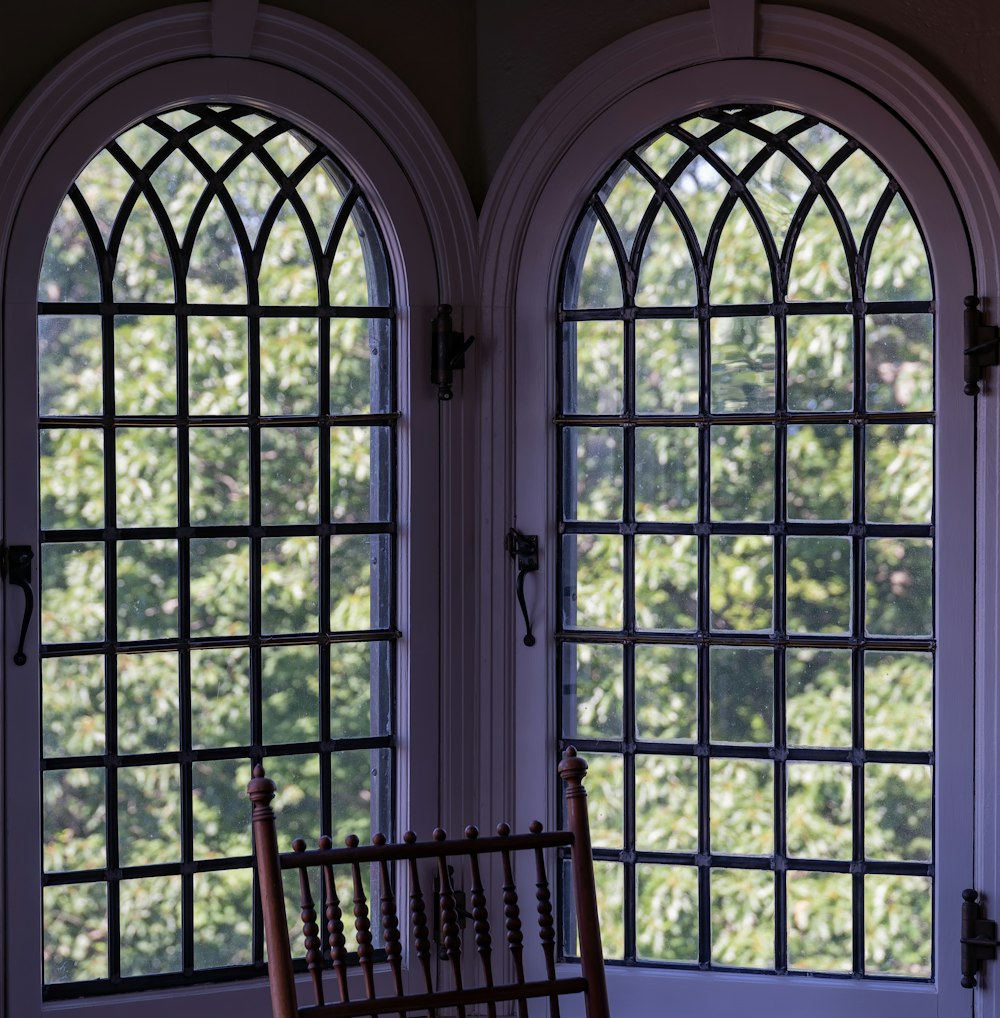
[(874, 597), (249, 637)]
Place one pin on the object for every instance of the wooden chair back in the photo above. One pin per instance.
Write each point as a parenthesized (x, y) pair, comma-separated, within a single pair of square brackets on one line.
[(338, 873)]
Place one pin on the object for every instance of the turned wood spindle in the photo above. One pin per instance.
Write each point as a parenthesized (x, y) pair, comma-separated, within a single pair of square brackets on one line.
[(418, 920), (390, 922), (481, 921), (335, 925), (362, 924), (448, 916), (546, 925), (310, 928), (512, 914)]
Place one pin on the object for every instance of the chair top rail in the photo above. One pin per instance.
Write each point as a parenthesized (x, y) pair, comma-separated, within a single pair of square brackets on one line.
[(446, 998), (424, 849)]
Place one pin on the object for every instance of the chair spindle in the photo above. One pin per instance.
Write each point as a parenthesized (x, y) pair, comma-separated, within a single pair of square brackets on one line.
[(512, 914), (418, 920), (362, 924), (335, 926), (310, 928), (481, 921), (390, 923), (546, 925)]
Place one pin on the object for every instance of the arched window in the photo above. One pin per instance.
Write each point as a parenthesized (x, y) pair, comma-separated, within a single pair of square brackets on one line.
[(745, 651), (217, 417)]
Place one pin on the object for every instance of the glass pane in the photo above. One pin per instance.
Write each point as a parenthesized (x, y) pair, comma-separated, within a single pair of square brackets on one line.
[(898, 576), (73, 702), (818, 577), (179, 186), (820, 471), (742, 694), (594, 461), (661, 153), (353, 780), (667, 372), (606, 794), (290, 690), (899, 701), (220, 586), (70, 379), (322, 189), (75, 932), (287, 274), (592, 691), (360, 584), (818, 696), (223, 910), (819, 810), (666, 692), (593, 587), (898, 268), (666, 272), (741, 805), (253, 189), (666, 474), (819, 269), (149, 814), (354, 280), (143, 268), (742, 472), (215, 275), (899, 473), (221, 817), (741, 594), (898, 812), (626, 195), (146, 477), (898, 933), (360, 474), (609, 879), (145, 364), (700, 189), (666, 803), (289, 580), (150, 925), (220, 697), (147, 590), (820, 362), (742, 365), (820, 924), (218, 372), (667, 899), (741, 273), (74, 820), (360, 698), (71, 478), (298, 805), (743, 918), (592, 275), (898, 362), (666, 581), (858, 184), (359, 384), (103, 183), (289, 475), (69, 268), (593, 356), (289, 366), (148, 715), (219, 481), (778, 187), (72, 580)]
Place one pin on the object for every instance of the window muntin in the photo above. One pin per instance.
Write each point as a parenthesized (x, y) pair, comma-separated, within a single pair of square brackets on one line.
[(217, 419), (745, 650)]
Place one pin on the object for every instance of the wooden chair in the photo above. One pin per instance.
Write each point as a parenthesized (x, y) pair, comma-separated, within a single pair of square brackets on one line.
[(472, 857)]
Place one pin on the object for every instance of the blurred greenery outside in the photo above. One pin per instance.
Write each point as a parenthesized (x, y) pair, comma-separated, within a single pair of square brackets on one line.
[(787, 433), (164, 592)]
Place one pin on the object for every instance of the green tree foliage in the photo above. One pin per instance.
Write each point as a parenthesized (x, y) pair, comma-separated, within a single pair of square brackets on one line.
[(129, 476), (758, 469)]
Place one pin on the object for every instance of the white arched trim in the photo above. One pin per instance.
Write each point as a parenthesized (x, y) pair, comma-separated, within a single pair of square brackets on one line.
[(880, 96)]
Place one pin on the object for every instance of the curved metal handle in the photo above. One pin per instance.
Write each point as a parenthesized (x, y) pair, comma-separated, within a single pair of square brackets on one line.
[(18, 561), (523, 548)]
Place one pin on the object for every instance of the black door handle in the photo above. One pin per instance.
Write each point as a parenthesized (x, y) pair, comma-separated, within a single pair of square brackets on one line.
[(523, 548), (17, 560)]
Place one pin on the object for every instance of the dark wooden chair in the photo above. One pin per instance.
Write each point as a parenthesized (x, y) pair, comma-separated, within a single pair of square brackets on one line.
[(339, 871)]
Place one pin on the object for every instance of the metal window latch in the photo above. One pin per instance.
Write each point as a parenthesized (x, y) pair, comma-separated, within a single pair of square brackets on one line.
[(447, 351), (979, 937), (15, 566), (523, 549), (982, 345)]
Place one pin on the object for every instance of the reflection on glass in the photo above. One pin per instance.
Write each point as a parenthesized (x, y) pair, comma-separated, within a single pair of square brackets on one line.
[(667, 371), (743, 918), (594, 461), (150, 911), (820, 362), (742, 365), (899, 585), (818, 696), (593, 586), (898, 811), (592, 691), (741, 806), (742, 472), (899, 473), (741, 590), (666, 581), (667, 898), (898, 362), (898, 934), (820, 924), (666, 692), (818, 578), (666, 474), (819, 810), (820, 471), (899, 701), (742, 694), (593, 357), (666, 803)]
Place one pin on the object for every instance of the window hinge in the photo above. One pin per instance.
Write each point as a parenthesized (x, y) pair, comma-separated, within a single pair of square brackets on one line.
[(15, 567), (979, 937), (982, 345), (447, 351)]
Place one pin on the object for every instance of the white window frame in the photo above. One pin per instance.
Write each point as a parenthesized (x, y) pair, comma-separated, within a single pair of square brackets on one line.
[(779, 55), (292, 66)]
